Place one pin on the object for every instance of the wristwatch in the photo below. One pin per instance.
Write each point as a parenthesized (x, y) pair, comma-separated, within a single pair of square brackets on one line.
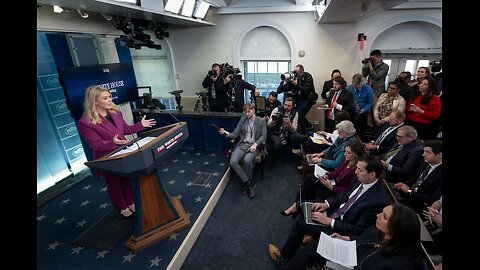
[(409, 192)]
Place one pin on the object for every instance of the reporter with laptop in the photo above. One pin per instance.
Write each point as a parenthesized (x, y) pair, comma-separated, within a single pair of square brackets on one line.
[(350, 213), (333, 183)]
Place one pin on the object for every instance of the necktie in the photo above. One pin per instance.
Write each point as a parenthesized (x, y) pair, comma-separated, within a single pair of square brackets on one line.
[(392, 152), (383, 135), (329, 112), (350, 201), (422, 177)]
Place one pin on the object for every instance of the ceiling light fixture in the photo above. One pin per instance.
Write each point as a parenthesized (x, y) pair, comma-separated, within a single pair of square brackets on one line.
[(201, 10), (82, 14), (57, 9)]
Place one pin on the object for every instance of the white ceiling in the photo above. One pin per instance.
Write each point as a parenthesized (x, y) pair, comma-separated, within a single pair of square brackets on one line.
[(338, 11)]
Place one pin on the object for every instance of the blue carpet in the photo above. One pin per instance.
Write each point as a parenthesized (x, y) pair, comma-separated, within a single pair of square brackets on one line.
[(192, 175)]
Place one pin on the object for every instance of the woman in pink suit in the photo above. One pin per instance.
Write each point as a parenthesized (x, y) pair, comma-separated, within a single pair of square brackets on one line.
[(103, 128)]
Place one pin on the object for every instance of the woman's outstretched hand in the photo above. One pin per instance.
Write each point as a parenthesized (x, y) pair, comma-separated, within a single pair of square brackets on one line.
[(118, 141), (148, 123)]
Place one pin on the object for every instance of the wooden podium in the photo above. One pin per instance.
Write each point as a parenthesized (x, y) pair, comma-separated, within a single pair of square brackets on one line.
[(158, 215)]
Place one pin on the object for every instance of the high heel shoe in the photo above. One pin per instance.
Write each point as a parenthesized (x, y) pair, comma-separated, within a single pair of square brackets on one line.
[(293, 214)]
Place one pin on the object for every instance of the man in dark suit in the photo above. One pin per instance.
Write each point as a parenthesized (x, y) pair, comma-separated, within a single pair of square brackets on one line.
[(349, 213), (385, 138), (402, 161), (426, 186), (327, 85), (339, 99), (251, 131)]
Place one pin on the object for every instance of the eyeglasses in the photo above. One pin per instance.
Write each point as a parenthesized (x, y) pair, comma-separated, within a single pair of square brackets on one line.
[(398, 136)]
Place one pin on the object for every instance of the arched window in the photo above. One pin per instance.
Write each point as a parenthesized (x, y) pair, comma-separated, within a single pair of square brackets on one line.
[(264, 56)]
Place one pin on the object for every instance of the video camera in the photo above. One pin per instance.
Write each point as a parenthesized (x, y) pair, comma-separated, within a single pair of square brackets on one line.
[(212, 73), (229, 70), (288, 75), (367, 60)]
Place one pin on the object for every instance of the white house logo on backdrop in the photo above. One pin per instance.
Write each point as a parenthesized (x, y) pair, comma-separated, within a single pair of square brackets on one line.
[(106, 70), (71, 130), (78, 151), (53, 81), (61, 107)]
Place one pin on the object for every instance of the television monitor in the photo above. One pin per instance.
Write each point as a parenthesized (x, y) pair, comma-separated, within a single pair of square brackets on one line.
[(144, 90), (119, 78)]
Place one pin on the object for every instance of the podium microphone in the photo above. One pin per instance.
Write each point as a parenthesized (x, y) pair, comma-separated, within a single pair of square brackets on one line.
[(131, 133), (173, 116)]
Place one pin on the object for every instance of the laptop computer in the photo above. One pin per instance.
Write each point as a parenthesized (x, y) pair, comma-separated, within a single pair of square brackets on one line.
[(307, 210)]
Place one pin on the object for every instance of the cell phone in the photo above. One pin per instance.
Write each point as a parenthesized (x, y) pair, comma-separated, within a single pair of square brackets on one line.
[(215, 126)]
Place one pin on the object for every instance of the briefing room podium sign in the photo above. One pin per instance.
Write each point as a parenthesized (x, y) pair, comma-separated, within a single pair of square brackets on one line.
[(158, 214)]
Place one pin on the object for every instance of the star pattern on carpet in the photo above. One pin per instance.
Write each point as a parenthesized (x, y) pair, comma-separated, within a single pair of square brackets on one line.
[(101, 254), (81, 223), (129, 257), (39, 218), (60, 221), (66, 201), (104, 205), (53, 246), (155, 261), (84, 203), (173, 236), (222, 164), (74, 213), (76, 250)]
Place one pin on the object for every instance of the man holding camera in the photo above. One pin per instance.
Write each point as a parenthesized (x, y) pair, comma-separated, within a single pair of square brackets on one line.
[(239, 85), (217, 94), (283, 124), (377, 71), (298, 84)]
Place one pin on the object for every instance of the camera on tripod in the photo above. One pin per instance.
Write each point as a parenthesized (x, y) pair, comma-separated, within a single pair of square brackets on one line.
[(290, 75)]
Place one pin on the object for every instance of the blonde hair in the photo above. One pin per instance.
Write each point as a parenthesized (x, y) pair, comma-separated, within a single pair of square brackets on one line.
[(89, 104)]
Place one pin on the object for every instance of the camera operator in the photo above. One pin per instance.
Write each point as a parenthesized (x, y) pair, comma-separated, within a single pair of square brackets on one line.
[(283, 124), (299, 85), (377, 71), (239, 85), (217, 94)]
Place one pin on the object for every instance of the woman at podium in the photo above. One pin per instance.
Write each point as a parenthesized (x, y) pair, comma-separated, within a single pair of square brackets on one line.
[(103, 128)]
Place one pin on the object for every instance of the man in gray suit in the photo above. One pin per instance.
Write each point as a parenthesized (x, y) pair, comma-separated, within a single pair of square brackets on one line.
[(251, 131), (377, 71)]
